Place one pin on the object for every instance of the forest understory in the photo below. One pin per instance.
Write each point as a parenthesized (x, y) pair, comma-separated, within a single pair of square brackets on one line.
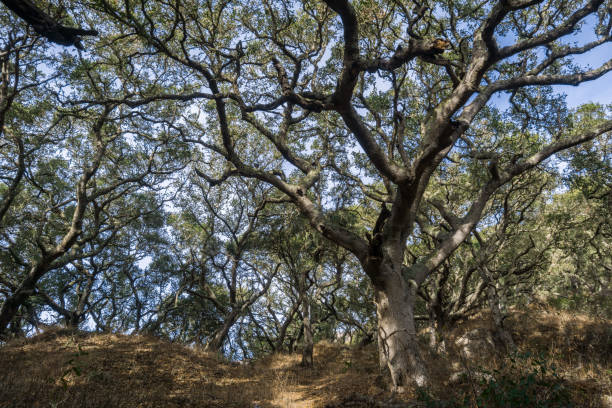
[(563, 360)]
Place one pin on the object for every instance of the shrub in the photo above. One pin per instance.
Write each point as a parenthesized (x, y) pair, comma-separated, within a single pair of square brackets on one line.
[(527, 381)]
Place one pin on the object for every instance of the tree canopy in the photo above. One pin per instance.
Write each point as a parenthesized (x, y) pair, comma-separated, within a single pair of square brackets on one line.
[(254, 176)]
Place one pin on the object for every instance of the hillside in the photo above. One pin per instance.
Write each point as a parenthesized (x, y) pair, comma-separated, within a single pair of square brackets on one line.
[(63, 369)]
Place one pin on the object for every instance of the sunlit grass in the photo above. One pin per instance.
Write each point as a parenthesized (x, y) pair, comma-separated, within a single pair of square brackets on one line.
[(61, 369)]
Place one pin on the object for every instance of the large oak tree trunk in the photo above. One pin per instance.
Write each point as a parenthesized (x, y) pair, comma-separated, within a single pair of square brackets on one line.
[(398, 345)]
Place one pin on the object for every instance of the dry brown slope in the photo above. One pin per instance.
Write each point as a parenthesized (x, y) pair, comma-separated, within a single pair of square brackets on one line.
[(59, 368), (67, 370)]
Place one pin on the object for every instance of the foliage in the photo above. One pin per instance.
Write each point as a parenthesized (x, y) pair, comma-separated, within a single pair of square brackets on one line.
[(526, 381), (252, 177), (540, 387)]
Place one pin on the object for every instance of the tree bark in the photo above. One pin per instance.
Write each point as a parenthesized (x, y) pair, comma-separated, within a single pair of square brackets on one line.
[(44, 25), (26, 289), (73, 320), (282, 333), (218, 337), (433, 340), (498, 320), (398, 344), (307, 358)]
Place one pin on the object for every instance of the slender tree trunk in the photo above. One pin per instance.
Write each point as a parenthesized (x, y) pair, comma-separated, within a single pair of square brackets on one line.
[(15, 329), (440, 330), (295, 339), (433, 332), (498, 318), (73, 320), (382, 360), (282, 334), (218, 337), (308, 345), (437, 325), (398, 345), (12, 192)]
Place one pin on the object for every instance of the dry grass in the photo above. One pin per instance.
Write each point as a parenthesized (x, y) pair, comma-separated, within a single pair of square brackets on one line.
[(61, 369), (579, 347)]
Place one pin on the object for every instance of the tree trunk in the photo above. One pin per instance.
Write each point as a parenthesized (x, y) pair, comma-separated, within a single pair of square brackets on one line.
[(295, 339), (433, 335), (218, 337), (12, 304), (437, 325), (73, 320), (28, 286), (15, 328), (398, 345), (307, 359), (498, 320), (282, 334)]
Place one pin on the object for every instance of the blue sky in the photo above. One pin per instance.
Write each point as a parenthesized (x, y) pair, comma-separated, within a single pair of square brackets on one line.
[(599, 90)]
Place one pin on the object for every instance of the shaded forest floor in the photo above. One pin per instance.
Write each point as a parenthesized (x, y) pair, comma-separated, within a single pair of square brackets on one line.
[(559, 353)]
